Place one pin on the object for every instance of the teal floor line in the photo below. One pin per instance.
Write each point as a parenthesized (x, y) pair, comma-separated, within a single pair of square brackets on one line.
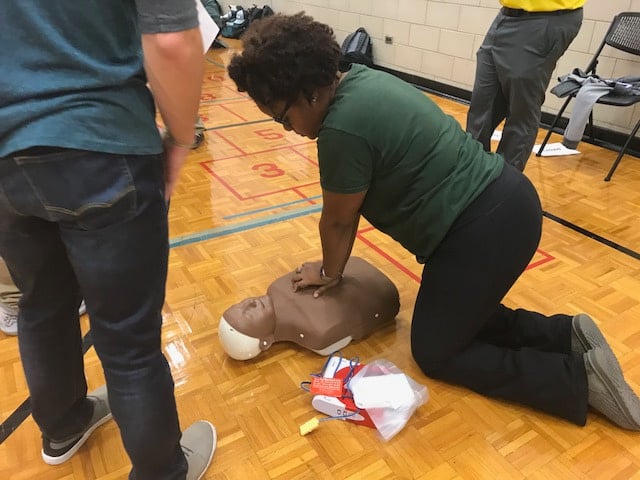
[(217, 64), (242, 226), (272, 207)]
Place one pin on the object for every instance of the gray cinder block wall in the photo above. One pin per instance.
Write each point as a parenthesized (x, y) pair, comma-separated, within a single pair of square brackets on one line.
[(437, 40)]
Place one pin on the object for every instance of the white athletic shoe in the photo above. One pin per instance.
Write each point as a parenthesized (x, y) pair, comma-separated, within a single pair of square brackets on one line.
[(8, 320)]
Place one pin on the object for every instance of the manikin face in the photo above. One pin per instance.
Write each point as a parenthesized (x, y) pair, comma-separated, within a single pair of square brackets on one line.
[(253, 316), (246, 328)]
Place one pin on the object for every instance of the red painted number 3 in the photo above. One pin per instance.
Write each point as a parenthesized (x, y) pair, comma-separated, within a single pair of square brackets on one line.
[(268, 170)]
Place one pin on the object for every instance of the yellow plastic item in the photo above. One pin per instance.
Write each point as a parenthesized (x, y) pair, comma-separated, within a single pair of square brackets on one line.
[(309, 426)]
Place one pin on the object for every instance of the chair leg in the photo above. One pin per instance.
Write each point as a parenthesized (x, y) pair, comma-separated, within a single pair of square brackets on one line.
[(553, 125), (621, 153)]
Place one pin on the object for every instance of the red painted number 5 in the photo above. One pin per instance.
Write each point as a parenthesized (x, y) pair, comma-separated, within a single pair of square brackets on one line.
[(269, 134)]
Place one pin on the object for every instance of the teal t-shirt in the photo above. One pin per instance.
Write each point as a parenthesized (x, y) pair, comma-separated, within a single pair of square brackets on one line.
[(72, 73), (420, 169)]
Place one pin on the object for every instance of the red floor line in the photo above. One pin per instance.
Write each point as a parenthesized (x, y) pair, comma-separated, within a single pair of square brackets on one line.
[(273, 192), (304, 196), (243, 153), (223, 182), (547, 258), (310, 160), (360, 235), (241, 197), (217, 101), (393, 261), (224, 107), (270, 150)]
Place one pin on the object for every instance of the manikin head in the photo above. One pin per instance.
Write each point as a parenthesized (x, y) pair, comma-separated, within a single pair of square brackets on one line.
[(247, 328)]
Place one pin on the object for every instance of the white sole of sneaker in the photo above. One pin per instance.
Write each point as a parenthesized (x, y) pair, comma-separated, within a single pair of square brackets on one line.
[(63, 458)]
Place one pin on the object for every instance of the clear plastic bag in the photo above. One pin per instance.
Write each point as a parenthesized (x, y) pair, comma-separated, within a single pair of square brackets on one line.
[(389, 396)]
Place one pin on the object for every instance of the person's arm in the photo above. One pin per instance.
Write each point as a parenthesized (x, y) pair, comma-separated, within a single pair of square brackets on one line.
[(346, 169), (338, 228), (174, 65)]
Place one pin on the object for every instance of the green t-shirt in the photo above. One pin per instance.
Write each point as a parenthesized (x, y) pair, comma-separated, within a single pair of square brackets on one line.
[(420, 169)]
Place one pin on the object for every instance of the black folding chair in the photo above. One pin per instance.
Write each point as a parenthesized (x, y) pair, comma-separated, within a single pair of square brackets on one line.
[(623, 34)]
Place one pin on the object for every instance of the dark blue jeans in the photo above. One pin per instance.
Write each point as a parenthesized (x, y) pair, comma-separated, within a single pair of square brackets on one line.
[(77, 224)]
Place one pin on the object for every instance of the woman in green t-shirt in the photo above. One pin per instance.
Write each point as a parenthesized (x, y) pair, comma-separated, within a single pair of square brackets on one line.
[(388, 153)]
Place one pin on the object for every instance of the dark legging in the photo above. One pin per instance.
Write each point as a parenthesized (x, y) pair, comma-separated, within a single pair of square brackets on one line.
[(461, 333)]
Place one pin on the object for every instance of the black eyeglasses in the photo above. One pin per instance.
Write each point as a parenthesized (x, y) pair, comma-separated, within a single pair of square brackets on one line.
[(281, 119)]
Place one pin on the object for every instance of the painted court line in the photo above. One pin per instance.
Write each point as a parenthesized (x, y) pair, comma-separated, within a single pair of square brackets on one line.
[(231, 125), (592, 235), (21, 413), (240, 227), (271, 207)]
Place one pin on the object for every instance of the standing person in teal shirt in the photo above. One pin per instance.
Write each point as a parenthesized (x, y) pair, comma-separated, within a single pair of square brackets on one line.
[(514, 67), (388, 153), (84, 185)]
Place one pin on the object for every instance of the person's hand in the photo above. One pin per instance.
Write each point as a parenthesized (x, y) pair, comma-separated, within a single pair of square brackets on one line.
[(175, 156), (309, 274)]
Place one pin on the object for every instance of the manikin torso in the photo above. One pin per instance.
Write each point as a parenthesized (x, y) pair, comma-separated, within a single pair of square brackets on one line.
[(364, 300)]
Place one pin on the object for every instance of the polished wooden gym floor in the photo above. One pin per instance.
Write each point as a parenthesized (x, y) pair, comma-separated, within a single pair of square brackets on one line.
[(245, 213)]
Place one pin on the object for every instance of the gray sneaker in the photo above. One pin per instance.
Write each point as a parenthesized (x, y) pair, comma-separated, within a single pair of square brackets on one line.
[(198, 444), (8, 320), (55, 452), (609, 393), (586, 335)]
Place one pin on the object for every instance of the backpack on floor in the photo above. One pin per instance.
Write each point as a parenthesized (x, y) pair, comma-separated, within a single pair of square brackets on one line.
[(236, 22), (214, 10), (356, 48), (256, 13)]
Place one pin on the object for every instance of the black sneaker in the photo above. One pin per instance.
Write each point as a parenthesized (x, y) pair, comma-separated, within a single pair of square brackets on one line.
[(55, 452)]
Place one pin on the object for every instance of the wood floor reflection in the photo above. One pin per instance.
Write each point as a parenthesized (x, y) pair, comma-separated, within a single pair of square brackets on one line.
[(246, 211)]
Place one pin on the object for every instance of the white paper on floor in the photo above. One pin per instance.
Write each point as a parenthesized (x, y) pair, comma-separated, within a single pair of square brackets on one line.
[(555, 150)]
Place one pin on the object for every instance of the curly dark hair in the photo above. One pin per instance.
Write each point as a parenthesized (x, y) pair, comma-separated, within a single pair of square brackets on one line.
[(285, 56)]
